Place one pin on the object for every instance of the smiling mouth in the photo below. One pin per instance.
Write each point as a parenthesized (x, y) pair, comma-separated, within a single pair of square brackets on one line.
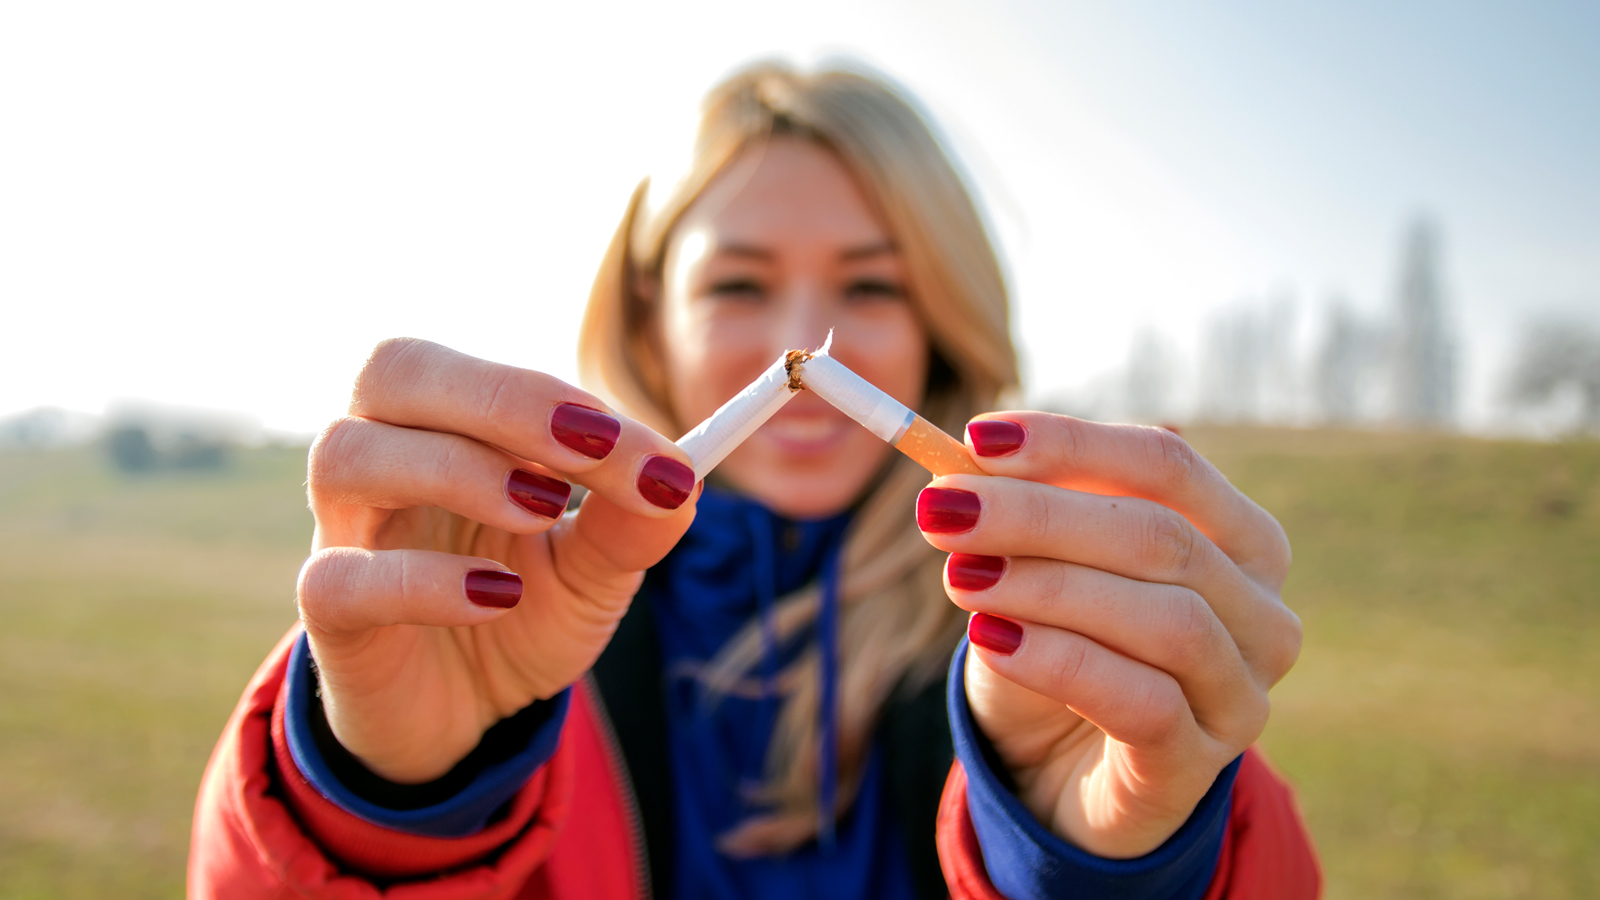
[(807, 433)]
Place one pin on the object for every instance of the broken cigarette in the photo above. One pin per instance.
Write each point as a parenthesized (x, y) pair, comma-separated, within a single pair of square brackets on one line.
[(885, 416), (712, 440)]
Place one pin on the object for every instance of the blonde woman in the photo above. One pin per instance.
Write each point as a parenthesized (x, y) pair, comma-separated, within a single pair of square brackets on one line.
[(759, 687)]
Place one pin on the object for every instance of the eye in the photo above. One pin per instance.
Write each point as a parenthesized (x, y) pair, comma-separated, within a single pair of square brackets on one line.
[(740, 289), (868, 290)]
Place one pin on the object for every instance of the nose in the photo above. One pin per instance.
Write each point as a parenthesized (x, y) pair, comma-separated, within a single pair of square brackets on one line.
[(805, 320)]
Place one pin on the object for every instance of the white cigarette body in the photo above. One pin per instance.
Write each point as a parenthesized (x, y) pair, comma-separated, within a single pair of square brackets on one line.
[(710, 442), (856, 397), (885, 416)]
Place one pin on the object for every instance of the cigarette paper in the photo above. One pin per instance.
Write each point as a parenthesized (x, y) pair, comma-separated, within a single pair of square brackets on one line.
[(712, 440), (885, 416)]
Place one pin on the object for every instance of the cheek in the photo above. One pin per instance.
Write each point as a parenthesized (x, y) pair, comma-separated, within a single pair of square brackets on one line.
[(891, 349), (710, 357)]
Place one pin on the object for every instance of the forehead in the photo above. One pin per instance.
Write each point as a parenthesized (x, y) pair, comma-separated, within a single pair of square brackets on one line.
[(784, 191)]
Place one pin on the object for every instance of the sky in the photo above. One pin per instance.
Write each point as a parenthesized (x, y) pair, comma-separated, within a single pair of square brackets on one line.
[(226, 206)]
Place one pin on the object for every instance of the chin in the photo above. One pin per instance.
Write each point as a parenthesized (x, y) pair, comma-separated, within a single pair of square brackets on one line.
[(809, 501), (806, 482), (816, 494)]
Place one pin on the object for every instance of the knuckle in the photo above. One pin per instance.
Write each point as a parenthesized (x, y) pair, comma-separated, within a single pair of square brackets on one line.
[(387, 361), (1174, 460), (1254, 715), (1066, 665), (1070, 439), (1056, 583), (500, 393), (1245, 720), (1163, 713), (1037, 514), (325, 576), (1170, 543), (1291, 637), (331, 451), (452, 465), (1282, 552), (1191, 630), (331, 585)]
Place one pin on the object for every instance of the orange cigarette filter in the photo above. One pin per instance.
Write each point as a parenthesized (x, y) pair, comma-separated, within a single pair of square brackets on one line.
[(881, 414), (936, 451)]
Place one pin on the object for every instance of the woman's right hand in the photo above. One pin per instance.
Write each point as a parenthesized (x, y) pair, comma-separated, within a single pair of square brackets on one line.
[(449, 472)]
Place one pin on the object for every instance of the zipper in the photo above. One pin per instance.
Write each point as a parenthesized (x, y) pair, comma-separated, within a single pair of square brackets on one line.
[(619, 765)]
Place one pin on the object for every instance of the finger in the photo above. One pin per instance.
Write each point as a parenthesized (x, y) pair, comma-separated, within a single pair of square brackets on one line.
[(360, 462), (346, 590), (1165, 626), (1134, 538), (1136, 461), (1130, 701), (599, 552), (417, 384)]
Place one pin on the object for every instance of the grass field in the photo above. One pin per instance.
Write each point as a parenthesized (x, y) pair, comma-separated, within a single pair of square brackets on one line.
[(1443, 726)]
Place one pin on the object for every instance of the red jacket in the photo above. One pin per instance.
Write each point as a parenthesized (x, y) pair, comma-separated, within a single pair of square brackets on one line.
[(262, 831)]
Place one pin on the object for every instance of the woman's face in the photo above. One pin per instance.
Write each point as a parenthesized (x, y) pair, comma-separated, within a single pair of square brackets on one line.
[(778, 249)]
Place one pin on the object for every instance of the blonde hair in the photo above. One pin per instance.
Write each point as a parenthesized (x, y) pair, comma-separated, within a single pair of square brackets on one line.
[(896, 626)]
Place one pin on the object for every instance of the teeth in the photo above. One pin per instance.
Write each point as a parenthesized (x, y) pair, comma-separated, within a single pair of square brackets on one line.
[(803, 429)]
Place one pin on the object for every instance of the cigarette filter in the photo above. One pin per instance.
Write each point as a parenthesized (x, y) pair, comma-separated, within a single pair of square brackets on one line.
[(710, 442), (885, 416)]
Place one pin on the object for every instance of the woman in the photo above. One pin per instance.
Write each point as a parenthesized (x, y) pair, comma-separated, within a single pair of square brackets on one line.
[(742, 689)]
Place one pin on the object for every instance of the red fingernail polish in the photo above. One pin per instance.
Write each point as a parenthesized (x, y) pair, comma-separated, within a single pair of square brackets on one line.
[(996, 437), (947, 510), (538, 494), (995, 634), (501, 590), (971, 572), (665, 482), (584, 430)]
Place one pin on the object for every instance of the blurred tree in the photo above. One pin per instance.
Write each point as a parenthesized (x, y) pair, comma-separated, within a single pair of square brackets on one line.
[(1345, 369), (1424, 363), (1231, 366), (1152, 376), (131, 449), (192, 451), (1247, 366), (1281, 398), (1557, 356)]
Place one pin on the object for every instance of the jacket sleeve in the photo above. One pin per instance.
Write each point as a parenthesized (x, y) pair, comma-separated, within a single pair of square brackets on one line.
[(261, 830), (458, 803), (1246, 837)]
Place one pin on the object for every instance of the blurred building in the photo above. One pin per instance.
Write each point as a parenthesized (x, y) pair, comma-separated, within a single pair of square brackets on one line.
[(1424, 362)]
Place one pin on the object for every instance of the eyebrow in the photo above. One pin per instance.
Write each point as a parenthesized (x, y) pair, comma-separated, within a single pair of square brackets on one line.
[(852, 254), (868, 251), (745, 250)]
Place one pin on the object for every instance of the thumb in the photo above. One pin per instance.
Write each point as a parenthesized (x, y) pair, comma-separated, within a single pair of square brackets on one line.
[(602, 549)]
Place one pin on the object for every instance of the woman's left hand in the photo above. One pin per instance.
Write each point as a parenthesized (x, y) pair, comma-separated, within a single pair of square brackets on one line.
[(1130, 620)]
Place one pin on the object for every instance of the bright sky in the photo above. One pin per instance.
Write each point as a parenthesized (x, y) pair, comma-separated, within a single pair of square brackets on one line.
[(227, 205)]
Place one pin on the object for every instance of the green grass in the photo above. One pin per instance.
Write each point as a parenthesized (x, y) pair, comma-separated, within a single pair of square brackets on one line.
[(1443, 724), (1442, 727), (134, 610)]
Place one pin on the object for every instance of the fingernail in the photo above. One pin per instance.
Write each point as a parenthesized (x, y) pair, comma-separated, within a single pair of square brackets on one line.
[(665, 482), (971, 572), (995, 634), (947, 510), (538, 494), (501, 590), (584, 430), (996, 437)]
